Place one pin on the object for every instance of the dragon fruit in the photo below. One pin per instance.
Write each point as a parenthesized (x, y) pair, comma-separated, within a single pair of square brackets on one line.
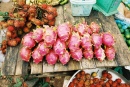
[(64, 58), (50, 36), (88, 54), (94, 27), (37, 57), (76, 55), (25, 54), (59, 47), (51, 58), (38, 34), (81, 28), (99, 54), (42, 48), (88, 29), (108, 39), (86, 41), (74, 41), (110, 53), (27, 41), (96, 40), (63, 31)]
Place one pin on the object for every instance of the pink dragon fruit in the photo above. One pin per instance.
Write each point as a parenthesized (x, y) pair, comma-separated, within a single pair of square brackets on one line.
[(64, 58), (27, 41), (88, 54), (42, 48), (74, 41), (110, 53), (86, 41), (63, 31), (81, 28), (37, 57), (51, 58), (25, 54), (88, 29), (38, 34), (50, 36), (94, 27), (108, 39), (96, 40), (76, 55), (59, 47), (99, 54)]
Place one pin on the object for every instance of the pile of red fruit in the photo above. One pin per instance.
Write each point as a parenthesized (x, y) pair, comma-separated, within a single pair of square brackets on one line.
[(3, 46), (83, 79), (66, 41)]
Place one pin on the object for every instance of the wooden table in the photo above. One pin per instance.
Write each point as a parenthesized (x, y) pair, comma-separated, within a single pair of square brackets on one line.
[(13, 65)]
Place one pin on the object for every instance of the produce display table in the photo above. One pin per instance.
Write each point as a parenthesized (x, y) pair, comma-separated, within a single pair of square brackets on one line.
[(13, 64)]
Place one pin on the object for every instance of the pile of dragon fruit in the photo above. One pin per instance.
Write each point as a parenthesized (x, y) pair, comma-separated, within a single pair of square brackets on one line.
[(65, 42)]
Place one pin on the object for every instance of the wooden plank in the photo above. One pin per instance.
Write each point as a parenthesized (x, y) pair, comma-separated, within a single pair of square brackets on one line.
[(87, 63), (47, 67), (60, 67), (36, 68), (121, 54), (10, 61), (60, 17)]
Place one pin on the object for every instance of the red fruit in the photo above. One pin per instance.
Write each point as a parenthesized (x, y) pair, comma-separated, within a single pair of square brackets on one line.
[(50, 17), (95, 80), (109, 76), (74, 41), (77, 55), (50, 9), (44, 6), (78, 75), (104, 71), (99, 54), (110, 53), (12, 42), (110, 81), (42, 48), (95, 27), (98, 85), (82, 72), (22, 23), (51, 58), (104, 75), (118, 80), (50, 36), (25, 54), (51, 23), (63, 31), (59, 47), (32, 9), (108, 39), (101, 82), (37, 22), (38, 34), (8, 34), (107, 84), (88, 54), (10, 22), (14, 35), (10, 28), (96, 40), (92, 85), (64, 58), (71, 84), (4, 42), (18, 39), (27, 41), (37, 57), (86, 41), (17, 23), (114, 84), (47, 79), (75, 81), (26, 30)]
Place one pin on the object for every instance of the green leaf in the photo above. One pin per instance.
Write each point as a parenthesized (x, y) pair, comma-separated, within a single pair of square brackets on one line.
[(46, 85), (18, 80), (19, 84)]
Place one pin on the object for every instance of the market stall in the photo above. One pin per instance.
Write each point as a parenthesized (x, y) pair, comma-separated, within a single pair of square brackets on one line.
[(14, 65)]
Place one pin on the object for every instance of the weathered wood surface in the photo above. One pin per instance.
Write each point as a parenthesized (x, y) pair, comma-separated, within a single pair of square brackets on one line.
[(13, 64)]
